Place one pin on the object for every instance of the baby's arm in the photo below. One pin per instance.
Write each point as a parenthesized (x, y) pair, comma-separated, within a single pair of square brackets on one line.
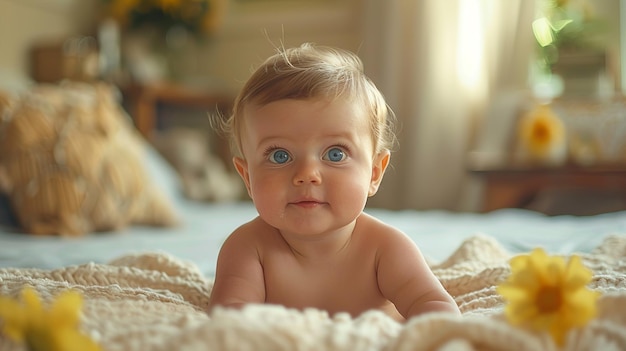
[(239, 273), (405, 279)]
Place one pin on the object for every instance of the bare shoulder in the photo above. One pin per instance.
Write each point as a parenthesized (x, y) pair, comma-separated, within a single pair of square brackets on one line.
[(393, 247), (248, 235), (375, 230), (253, 235), (252, 231)]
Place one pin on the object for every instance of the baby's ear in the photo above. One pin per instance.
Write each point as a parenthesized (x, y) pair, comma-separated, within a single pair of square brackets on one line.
[(381, 161), (241, 165)]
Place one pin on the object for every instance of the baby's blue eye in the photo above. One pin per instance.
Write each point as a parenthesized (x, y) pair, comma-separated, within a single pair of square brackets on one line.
[(279, 156), (335, 154)]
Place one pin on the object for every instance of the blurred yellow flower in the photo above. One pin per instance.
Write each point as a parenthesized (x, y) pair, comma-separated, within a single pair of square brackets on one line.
[(542, 134), (545, 293), (45, 329), (198, 16)]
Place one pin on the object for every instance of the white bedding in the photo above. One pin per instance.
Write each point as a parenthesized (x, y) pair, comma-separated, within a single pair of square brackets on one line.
[(205, 225), (157, 302)]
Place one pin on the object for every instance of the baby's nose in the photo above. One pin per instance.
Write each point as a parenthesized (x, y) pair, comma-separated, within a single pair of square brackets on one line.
[(307, 172)]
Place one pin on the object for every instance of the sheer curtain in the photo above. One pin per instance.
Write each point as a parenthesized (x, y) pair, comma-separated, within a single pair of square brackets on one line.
[(439, 63)]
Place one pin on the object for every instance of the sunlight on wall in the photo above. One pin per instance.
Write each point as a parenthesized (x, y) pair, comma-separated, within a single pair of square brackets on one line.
[(623, 43), (470, 66)]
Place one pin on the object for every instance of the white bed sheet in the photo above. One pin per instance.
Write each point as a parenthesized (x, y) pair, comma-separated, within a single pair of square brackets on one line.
[(205, 226)]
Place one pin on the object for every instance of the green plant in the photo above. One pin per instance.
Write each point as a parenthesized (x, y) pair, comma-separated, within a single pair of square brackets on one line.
[(566, 26)]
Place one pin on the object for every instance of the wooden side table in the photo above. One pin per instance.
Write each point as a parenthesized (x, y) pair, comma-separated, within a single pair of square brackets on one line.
[(143, 101), (517, 185)]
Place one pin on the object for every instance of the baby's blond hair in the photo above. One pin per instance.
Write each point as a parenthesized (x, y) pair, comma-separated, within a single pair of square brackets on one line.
[(311, 71)]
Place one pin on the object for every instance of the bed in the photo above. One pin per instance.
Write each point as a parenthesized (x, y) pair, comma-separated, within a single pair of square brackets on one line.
[(147, 287)]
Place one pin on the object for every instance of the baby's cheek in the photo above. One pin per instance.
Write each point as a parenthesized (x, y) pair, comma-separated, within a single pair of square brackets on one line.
[(355, 193), (267, 191)]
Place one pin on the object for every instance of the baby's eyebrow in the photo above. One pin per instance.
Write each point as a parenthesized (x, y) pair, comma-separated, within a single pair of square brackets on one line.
[(274, 139)]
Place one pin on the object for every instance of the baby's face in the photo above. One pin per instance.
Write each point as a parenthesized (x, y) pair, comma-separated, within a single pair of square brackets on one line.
[(309, 164)]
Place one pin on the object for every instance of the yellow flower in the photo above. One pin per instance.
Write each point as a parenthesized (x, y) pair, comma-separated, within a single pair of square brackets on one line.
[(121, 9), (545, 293), (542, 134), (163, 14), (45, 329), (561, 3), (169, 5)]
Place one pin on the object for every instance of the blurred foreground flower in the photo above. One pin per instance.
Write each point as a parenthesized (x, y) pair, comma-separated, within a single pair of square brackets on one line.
[(45, 329), (545, 293)]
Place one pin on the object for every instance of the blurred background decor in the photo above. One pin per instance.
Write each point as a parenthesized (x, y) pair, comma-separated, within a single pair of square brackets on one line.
[(203, 175), (572, 43), (596, 130), (71, 163), (196, 16), (158, 37), (458, 75), (541, 136)]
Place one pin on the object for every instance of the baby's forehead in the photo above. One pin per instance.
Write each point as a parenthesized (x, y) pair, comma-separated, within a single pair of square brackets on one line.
[(341, 109), (357, 107), (354, 108)]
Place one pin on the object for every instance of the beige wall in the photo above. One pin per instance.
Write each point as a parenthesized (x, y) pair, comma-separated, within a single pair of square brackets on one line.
[(610, 10), (250, 33), (25, 22)]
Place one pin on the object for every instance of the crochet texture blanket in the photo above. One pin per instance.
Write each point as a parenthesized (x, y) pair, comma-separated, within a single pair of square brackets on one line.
[(157, 302)]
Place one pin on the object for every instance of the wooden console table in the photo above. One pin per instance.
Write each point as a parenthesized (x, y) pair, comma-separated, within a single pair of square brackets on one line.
[(517, 185), (142, 102)]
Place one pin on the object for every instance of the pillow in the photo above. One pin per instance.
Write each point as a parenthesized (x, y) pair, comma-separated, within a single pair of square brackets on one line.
[(202, 173), (71, 162)]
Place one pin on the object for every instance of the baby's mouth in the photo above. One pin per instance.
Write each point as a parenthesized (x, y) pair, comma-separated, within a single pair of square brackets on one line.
[(308, 203)]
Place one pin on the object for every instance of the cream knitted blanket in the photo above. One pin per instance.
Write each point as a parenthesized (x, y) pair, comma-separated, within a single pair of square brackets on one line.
[(157, 302)]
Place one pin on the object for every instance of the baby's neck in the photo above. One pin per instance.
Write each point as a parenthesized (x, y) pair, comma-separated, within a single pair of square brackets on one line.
[(320, 247)]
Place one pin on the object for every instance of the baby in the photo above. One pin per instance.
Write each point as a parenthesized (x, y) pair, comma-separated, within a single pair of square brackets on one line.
[(311, 136)]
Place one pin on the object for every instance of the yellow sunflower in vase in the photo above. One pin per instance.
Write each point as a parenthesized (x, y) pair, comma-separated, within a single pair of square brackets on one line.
[(541, 135), (545, 293)]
